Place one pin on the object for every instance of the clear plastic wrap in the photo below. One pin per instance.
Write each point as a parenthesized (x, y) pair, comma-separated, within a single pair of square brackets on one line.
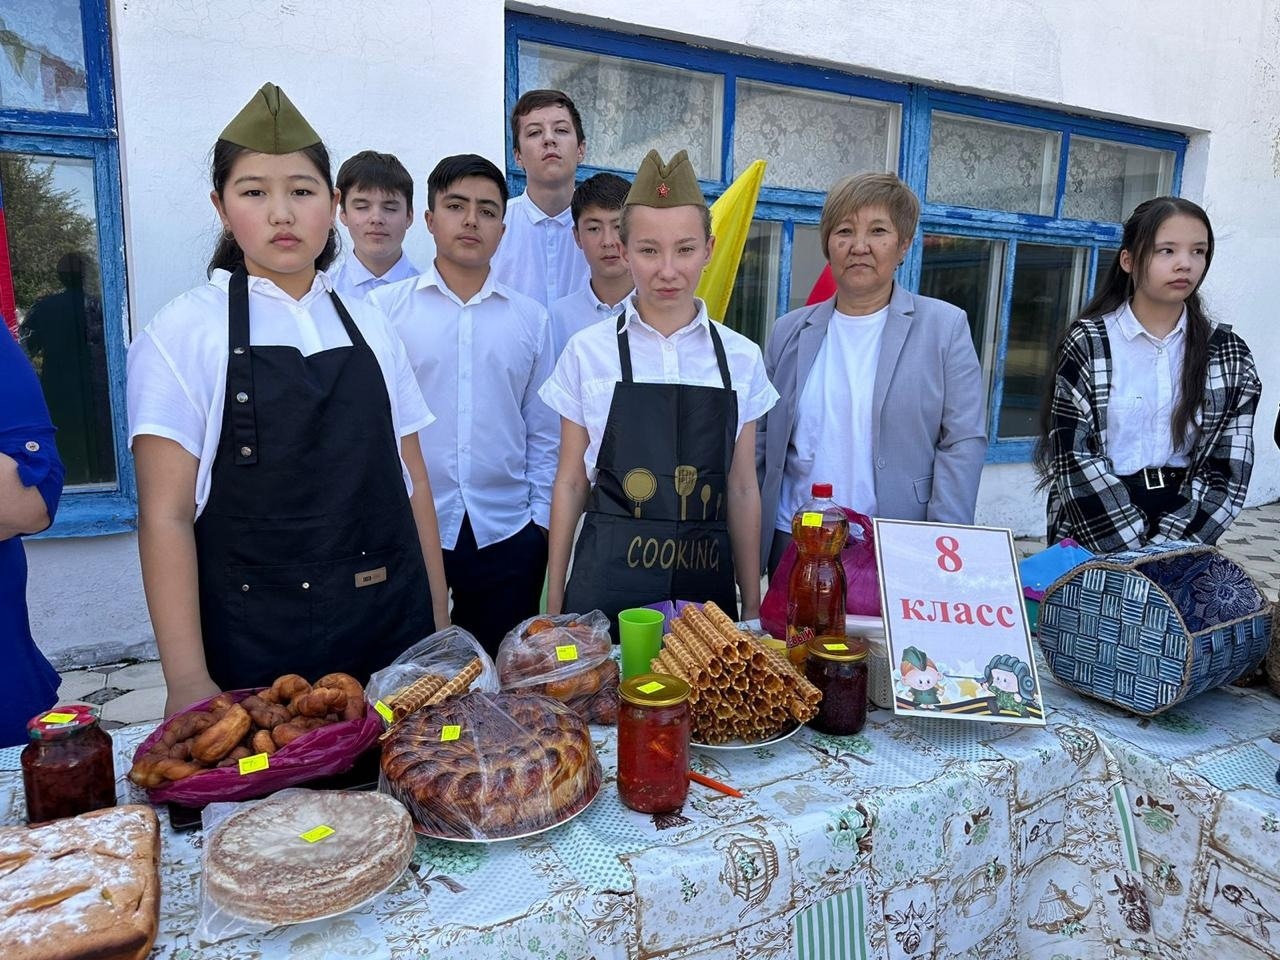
[(298, 856), (486, 767), (568, 658), (444, 654)]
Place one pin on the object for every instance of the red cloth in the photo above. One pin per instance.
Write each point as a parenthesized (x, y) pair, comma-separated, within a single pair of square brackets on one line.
[(824, 288)]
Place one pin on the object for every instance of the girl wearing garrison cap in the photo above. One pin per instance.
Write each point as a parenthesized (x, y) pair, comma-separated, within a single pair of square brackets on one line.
[(285, 520), (658, 407)]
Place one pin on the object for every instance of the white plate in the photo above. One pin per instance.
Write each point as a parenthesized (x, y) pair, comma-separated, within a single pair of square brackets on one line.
[(418, 829), (743, 745)]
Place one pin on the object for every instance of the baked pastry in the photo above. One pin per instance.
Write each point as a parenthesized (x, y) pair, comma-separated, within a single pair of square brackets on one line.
[(565, 658), (519, 763), (260, 867), (84, 888)]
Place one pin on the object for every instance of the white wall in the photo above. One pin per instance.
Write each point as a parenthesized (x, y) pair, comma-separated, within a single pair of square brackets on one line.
[(424, 78)]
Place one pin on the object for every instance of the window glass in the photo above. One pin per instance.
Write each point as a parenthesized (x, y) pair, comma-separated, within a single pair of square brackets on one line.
[(966, 272), (809, 138), (752, 305), (1105, 180), (1048, 283), (52, 243), (629, 107), (807, 263), (996, 166), (42, 56)]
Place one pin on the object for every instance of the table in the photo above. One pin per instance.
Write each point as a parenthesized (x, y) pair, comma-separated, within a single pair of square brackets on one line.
[(1099, 836)]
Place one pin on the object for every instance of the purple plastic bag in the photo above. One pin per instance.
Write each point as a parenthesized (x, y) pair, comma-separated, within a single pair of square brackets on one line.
[(670, 609)]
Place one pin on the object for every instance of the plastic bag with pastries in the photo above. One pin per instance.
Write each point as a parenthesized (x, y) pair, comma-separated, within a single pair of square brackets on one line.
[(568, 658), (445, 653)]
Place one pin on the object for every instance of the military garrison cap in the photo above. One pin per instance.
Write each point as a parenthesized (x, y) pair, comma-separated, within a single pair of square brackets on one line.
[(270, 123), (659, 184)]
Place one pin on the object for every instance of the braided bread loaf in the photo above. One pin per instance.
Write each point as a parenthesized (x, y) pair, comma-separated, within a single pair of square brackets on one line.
[(520, 763)]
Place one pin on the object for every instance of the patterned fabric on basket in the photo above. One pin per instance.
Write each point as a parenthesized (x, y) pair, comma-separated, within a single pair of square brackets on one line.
[(1148, 628)]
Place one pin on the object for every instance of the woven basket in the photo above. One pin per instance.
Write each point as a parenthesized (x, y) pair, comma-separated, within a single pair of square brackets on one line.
[(1149, 628)]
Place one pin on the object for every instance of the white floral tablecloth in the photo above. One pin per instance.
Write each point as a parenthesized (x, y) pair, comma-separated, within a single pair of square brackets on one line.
[(1099, 836)]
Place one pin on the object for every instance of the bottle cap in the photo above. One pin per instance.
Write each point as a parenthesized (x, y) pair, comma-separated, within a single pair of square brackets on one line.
[(822, 491)]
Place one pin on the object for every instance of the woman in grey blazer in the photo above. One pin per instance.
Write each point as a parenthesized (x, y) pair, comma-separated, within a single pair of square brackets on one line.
[(881, 389)]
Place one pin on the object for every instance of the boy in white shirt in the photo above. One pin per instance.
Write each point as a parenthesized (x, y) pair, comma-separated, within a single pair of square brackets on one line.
[(480, 351), (538, 255), (376, 209), (597, 216)]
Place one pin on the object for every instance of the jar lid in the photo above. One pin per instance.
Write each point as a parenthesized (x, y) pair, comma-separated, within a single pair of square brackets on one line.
[(838, 648), (654, 690), (62, 721)]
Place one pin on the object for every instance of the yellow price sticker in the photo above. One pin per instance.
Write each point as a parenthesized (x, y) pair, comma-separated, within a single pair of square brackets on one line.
[(653, 686), (836, 646), (449, 732), (568, 652), (58, 718), (317, 833), (384, 711), (259, 761), (811, 519)]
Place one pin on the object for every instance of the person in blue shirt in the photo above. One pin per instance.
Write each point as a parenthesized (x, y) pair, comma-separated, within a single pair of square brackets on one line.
[(30, 484)]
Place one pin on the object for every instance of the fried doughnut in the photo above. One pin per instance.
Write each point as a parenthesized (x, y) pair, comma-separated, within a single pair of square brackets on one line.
[(153, 769), (355, 708), (185, 726), (265, 715), (319, 701), (219, 740), (286, 733), (263, 742), (288, 687), (235, 756), (219, 705)]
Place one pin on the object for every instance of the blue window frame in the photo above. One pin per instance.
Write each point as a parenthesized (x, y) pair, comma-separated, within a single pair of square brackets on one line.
[(1028, 250), (72, 140)]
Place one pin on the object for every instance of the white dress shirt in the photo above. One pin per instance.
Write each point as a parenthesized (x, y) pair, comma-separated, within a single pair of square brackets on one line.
[(1146, 383), (831, 442), (575, 312), (352, 278), (538, 255), (581, 389), (178, 364), (491, 454)]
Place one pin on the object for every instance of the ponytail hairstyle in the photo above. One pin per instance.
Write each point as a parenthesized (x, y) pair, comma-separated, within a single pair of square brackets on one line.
[(227, 255), (1116, 289)]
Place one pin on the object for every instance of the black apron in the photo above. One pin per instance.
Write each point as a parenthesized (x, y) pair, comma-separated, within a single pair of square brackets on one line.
[(655, 523), (309, 559)]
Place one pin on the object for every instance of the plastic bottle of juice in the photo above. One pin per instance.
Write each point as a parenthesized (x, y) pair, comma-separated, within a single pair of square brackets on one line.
[(815, 592)]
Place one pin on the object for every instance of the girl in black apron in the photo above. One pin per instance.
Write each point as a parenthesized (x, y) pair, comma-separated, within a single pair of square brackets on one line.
[(308, 556), (671, 513)]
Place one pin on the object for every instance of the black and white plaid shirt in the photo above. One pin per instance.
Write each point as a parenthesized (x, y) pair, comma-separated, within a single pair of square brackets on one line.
[(1089, 503)]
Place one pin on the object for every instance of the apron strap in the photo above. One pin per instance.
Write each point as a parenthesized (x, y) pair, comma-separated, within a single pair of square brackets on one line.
[(624, 346), (239, 392), (357, 338), (721, 360)]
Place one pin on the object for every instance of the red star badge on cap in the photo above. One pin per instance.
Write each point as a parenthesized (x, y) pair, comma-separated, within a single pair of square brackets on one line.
[(663, 190)]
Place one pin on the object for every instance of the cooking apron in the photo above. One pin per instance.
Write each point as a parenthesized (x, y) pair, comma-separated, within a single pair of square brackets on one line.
[(655, 523), (309, 560)]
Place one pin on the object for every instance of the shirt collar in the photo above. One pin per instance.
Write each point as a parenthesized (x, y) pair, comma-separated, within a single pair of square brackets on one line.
[(700, 321), (536, 214), (1132, 327), (430, 277), (598, 305), (221, 279)]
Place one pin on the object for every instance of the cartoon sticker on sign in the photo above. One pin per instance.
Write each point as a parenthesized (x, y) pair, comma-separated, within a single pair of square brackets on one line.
[(955, 623)]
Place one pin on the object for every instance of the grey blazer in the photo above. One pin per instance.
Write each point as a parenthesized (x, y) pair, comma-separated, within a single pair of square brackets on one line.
[(929, 435)]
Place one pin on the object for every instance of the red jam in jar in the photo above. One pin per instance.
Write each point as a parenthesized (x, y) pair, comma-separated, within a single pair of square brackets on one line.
[(838, 667), (68, 768), (653, 743)]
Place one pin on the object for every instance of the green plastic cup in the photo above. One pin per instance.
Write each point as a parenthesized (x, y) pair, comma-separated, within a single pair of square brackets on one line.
[(640, 632)]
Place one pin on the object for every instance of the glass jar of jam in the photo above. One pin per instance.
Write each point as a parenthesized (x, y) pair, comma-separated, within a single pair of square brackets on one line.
[(653, 743), (68, 767), (838, 667)]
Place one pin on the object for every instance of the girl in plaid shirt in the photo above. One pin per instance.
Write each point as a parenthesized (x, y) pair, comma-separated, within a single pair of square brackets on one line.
[(1147, 428)]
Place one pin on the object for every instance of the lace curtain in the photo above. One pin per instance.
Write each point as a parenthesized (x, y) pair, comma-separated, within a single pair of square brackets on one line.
[(1105, 181), (994, 166), (42, 56)]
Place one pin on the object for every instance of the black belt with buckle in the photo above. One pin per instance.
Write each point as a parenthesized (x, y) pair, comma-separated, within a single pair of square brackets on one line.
[(1157, 478)]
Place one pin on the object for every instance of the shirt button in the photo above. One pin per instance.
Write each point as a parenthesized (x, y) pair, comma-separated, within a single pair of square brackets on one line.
[(880, 463), (238, 351), (246, 451), (32, 446), (244, 588), (242, 397)]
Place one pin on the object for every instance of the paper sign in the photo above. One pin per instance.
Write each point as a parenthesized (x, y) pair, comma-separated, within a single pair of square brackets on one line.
[(811, 519), (955, 624), (568, 652), (450, 732), (317, 833), (384, 711), (653, 686), (58, 718), (835, 646), (259, 761)]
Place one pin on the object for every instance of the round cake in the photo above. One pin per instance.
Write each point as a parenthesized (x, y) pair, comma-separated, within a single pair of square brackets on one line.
[(306, 854), (491, 765)]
